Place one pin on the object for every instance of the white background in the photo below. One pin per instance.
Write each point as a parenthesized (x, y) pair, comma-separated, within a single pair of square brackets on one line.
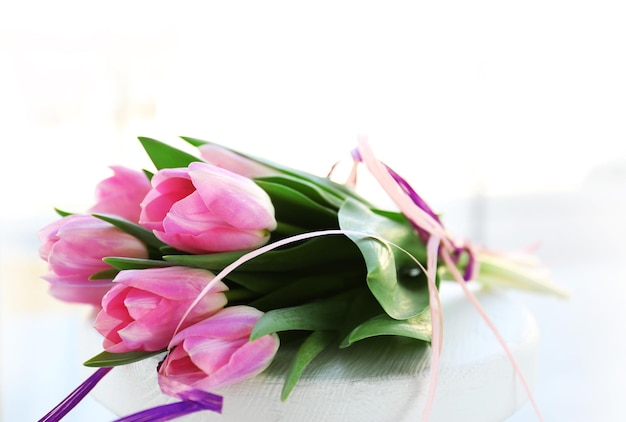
[(507, 116)]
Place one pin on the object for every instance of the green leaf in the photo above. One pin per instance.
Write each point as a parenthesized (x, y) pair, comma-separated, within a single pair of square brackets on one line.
[(397, 282), (165, 156), (295, 208), (310, 348), (363, 306), (215, 261), (323, 315), (105, 275), (148, 174), (306, 188), (62, 213), (260, 282), (106, 359), (306, 287), (240, 296), (122, 263), (418, 327), (311, 253), (141, 233), (194, 141)]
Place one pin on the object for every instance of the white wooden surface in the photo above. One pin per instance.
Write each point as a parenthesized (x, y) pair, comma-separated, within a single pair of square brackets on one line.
[(375, 381)]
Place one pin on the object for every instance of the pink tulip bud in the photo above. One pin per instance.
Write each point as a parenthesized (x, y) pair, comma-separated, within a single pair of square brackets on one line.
[(217, 352), (74, 247), (144, 307), (204, 209), (229, 160), (122, 193)]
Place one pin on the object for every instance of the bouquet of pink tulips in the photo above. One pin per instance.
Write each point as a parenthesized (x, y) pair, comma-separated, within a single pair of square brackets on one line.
[(212, 258)]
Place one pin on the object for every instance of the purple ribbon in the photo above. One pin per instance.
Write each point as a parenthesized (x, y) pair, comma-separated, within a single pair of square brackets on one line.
[(423, 234), (193, 401), (75, 396)]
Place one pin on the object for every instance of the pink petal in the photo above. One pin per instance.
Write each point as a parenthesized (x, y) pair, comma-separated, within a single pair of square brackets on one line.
[(226, 159), (122, 193), (169, 186), (217, 240), (235, 199), (231, 323), (79, 293), (175, 283), (140, 303), (190, 215), (211, 354), (248, 361)]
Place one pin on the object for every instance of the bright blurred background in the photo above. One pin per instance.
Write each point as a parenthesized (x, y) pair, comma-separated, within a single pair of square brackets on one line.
[(507, 116)]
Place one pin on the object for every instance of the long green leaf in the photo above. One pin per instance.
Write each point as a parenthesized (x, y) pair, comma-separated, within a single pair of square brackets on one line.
[(262, 282), (397, 282), (62, 213), (306, 188), (307, 287), (320, 315), (166, 156), (215, 261), (310, 348), (106, 359), (312, 253), (122, 263), (363, 306), (105, 274), (418, 327), (295, 208), (141, 233), (194, 141)]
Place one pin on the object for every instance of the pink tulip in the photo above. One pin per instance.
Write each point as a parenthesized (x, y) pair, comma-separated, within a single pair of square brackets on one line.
[(74, 247), (217, 352), (144, 307), (226, 159), (121, 194), (204, 209)]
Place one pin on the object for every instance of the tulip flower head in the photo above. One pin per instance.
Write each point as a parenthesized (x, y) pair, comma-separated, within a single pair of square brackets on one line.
[(217, 352), (74, 247), (121, 194), (204, 209), (144, 308), (229, 160)]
